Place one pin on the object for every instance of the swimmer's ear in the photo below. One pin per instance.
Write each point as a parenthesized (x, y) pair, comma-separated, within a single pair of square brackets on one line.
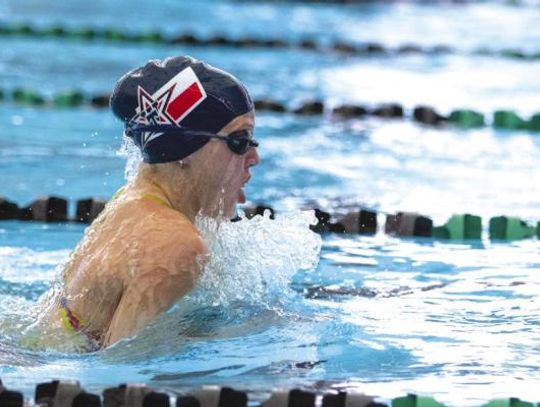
[(184, 162)]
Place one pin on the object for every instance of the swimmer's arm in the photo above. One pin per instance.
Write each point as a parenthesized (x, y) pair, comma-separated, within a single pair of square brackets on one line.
[(154, 291)]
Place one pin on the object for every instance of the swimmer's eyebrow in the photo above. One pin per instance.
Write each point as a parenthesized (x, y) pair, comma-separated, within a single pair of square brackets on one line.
[(242, 132), (248, 128)]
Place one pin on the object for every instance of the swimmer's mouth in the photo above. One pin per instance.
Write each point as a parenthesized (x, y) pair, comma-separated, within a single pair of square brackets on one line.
[(241, 193)]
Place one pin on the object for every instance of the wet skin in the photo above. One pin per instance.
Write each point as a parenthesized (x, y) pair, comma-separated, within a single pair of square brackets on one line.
[(140, 256)]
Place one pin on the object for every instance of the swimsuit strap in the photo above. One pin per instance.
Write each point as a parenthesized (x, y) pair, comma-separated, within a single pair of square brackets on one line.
[(118, 193), (157, 199), (149, 197), (73, 324)]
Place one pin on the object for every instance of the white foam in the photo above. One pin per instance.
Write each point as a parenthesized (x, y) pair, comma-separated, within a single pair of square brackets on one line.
[(133, 156), (254, 260)]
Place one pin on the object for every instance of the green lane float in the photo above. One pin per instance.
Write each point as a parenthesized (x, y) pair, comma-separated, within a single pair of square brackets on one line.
[(534, 123), (87, 34), (23, 29), (511, 402), (462, 118), (69, 99), (460, 227), (114, 35), (151, 37), (514, 53), (357, 221), (70, 393), (509, 228), (412, 400), (466, 118), (339, 47), (27, 97), (507, 119), (55, 31)]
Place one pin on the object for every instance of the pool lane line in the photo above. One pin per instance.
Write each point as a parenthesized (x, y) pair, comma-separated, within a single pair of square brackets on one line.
[(337, 47), (352, 221), (426, 115), (70, 393)]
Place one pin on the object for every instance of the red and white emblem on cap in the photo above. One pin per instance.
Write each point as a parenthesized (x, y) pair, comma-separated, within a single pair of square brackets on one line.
[(170, 104)]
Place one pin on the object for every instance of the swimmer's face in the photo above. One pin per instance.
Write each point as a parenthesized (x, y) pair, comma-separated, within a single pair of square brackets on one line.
[(226, 172)]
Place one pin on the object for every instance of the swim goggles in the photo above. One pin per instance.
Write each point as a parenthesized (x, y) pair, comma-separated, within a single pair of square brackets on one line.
[(239, 142)]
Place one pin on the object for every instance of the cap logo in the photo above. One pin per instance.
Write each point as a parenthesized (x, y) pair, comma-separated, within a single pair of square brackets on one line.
[(170, 104)]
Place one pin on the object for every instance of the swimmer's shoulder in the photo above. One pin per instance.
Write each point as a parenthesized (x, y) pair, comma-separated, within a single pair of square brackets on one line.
[(169, 238), (148, 222)]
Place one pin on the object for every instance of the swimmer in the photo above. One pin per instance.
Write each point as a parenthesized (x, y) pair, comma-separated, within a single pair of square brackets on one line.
[(193, 124)]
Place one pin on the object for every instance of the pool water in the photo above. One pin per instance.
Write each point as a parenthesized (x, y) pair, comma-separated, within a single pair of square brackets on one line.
[(458, 320)]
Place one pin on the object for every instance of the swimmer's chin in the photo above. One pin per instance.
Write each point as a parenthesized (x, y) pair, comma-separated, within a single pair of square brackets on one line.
[(241, 196)]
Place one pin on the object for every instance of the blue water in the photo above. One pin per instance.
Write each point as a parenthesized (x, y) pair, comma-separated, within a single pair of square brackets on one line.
[(378, 314)]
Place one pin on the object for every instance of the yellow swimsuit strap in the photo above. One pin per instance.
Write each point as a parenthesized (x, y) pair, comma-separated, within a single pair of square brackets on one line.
[(73, 324), (158, 199), (118, 193), (150, 197)]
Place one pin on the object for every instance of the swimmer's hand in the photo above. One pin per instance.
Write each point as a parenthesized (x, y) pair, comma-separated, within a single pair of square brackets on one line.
[(167, 270)]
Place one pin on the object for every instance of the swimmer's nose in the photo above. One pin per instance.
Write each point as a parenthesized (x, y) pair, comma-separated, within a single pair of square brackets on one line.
[(252, 157)]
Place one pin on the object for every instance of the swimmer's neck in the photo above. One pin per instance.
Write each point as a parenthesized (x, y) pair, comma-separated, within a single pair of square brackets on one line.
[(173, 192), (177, 191)]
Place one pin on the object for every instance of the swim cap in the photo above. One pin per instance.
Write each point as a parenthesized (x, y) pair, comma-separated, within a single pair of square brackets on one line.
[(181, 92)]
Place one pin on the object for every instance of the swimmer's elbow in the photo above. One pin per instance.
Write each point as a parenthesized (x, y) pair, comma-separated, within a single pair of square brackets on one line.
[(182, 265), (197, 260)]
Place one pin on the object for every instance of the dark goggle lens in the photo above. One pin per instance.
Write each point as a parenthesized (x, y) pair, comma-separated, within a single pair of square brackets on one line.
[(240, 142)]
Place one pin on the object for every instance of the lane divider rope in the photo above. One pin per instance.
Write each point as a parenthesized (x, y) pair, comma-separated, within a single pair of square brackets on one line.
[(357, 221), (69, 393), (462, 118), (339, 47)]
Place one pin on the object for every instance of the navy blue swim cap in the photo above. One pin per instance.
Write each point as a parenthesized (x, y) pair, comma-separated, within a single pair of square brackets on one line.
[(181, 92)]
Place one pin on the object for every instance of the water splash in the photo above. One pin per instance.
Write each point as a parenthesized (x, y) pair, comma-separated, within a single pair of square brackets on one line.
[(254, 260), (244, 287), (133, 156)]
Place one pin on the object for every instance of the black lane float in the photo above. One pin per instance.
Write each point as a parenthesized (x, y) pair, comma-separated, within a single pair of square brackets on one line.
[(461, 118), (358, 221), (69, 393)]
